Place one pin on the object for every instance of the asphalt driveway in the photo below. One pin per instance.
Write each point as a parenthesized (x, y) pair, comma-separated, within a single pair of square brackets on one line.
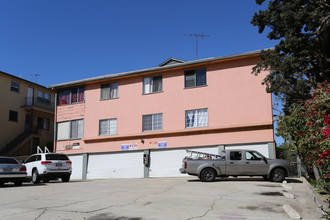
[(158, 198)]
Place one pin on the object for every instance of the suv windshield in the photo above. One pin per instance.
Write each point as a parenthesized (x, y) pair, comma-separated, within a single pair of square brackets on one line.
[(56, 157), (8, 161)]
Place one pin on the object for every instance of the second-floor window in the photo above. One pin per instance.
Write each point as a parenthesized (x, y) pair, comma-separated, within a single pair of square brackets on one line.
[(108, 127), (152, 84), (70, 129), (43, 97), (196, 118), (70, 96), (109, 91), (195, 78), (152, 122)]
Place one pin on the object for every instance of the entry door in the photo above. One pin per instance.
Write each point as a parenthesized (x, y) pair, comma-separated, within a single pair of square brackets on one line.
[(29, 98)]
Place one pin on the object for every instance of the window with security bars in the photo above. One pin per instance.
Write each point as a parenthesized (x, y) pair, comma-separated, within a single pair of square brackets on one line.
[(197, 118), (152, 122), (109, 91), (70, 129), (152, 84), (195, 78), (108, 127), (43, 123)]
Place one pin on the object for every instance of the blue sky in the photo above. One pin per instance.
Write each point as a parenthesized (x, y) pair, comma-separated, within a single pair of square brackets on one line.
[(67, 40)]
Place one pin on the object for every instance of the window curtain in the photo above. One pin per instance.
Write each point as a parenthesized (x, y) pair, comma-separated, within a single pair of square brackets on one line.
[(202, 118), (114, 90), (105, 91), (80, 124), (63, 130), (157, 84), (190, 119), (104, 127), (64, 97), (74, 97), (147, 123), (147, 85), (81, 93)]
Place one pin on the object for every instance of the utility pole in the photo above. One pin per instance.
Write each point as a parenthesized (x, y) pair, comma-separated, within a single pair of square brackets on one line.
[(35, 77), (197, 36)]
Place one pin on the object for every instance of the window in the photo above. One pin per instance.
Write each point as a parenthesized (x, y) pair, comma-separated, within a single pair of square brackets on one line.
[(43, 123), (70, 129), (152, 84), (109, 91), (253, 156), (13, 116), (235, 155), (43, 97), (70, 96), (197, 118), (14, 86), (195, 78), (152, 122), (108, 127)]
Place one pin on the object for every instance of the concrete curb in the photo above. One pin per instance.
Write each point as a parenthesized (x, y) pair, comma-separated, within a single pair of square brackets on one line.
[(291, 212), (316, 197)]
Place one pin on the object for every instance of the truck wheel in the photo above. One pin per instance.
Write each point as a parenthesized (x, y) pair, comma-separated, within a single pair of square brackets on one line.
[(208, 175), (35, 177), (277, 175)]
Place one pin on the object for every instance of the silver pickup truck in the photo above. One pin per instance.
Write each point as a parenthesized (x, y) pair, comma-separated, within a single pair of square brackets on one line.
[(234, 163)]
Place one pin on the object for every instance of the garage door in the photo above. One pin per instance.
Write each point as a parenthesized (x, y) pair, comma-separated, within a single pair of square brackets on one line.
[(166, 163), (77, 163), (262, 148), (116, 165)]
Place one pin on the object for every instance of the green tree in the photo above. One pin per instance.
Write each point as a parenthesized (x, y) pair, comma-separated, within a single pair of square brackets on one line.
[(301, 59)]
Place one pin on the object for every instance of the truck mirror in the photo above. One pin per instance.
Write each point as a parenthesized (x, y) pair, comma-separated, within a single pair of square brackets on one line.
[(265, 159)]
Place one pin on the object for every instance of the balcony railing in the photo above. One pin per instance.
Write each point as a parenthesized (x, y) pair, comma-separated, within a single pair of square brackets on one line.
[(40, 103)]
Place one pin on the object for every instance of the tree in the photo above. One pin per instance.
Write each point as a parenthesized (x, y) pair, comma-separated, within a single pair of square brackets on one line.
[(307, 130), (301, 59)]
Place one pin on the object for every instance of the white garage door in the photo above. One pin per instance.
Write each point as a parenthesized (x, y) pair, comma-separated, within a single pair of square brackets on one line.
[(166, 163), (262, 148), (77, 163), (116, 165)]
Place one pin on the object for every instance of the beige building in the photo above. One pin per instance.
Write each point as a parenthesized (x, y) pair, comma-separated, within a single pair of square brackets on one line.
[(26, 116)]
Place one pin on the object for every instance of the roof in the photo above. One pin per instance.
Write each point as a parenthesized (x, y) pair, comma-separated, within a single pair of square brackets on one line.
[(18, 78), (163, 66)]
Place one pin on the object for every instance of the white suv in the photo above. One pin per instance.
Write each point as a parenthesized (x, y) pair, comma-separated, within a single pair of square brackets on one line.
[(47, 166)]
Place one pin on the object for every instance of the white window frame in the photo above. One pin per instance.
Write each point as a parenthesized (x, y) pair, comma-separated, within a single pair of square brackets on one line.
[(65, 130), (194, 75), (149, 84), (197, 118), (110, 125), (109, 91), (156, 122)]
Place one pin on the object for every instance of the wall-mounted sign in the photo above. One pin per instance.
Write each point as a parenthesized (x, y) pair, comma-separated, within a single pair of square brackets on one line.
[(125, 147), (162, 144)]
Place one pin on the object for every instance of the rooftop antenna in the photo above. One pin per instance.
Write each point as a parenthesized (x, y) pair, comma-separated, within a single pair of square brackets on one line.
[(35, 77), (197, 36)]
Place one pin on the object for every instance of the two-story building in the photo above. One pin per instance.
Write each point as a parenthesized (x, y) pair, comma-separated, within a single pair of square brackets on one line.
[(110, 125), (26, 116)]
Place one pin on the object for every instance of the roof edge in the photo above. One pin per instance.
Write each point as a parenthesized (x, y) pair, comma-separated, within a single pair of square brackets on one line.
[(187, 63)]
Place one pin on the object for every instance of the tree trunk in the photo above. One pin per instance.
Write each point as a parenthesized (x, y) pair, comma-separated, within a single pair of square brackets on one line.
[(316, 173)]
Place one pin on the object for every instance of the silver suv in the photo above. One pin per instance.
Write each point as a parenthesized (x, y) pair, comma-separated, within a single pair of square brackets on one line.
[(48, 166)]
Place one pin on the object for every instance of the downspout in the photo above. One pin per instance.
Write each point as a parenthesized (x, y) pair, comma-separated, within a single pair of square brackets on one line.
[(55, 124)]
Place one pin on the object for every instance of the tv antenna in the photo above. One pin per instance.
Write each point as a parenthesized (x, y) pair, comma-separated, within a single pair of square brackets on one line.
[(35, 76), (197, 36)]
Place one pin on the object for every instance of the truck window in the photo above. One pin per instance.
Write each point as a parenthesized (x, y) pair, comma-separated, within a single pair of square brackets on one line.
[(252, 156), (235, 155)]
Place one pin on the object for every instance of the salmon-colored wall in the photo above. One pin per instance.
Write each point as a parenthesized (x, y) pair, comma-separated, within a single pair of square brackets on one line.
[(233, 96)]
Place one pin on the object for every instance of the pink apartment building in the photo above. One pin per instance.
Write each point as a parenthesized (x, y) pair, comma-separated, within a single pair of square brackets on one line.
[(139, 124)]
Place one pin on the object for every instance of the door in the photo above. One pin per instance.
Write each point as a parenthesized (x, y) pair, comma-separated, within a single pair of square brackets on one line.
[(29, 97), (255, 164), (28, 123), (235, 165)]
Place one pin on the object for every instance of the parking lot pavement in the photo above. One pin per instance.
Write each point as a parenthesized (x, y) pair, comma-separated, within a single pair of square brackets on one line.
[(157, 198)]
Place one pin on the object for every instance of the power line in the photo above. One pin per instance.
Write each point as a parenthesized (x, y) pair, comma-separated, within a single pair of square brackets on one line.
[(197, 36)]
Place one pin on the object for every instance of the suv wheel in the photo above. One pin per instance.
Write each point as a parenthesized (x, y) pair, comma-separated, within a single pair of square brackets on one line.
[(65, 179), (277, 175), (35, 177), (208, 175)]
